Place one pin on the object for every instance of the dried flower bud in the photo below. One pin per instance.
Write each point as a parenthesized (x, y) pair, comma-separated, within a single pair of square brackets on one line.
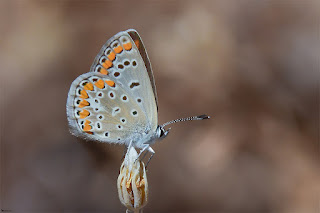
[(132, 182)]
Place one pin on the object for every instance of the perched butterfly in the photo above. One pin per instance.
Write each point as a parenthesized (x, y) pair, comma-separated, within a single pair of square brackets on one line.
[(116, 102)]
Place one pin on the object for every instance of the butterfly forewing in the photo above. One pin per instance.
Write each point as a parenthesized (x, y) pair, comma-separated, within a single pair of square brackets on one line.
[(115, 102), (143, 53)]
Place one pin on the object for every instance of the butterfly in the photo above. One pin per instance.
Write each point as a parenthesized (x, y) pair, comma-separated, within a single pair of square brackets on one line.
[(116, 102)]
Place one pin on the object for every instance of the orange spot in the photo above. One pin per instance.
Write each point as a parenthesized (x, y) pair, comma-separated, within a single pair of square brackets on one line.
[(112, 56), (84, 113), (83, 103), (110, 83), (88, 86), (107, 64), (137, 43), (84, 94), (99, 84), (127, 46), (104, 71), (87, 127), (118, 49)]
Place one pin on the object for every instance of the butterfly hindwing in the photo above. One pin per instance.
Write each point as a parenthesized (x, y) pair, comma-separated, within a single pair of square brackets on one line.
[(100, 109)]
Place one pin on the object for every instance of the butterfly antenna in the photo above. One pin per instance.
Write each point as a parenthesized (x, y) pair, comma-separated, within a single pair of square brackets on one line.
[(199, 117)]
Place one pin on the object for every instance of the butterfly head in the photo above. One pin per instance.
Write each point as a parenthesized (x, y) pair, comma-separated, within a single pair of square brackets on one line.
[(162, 132)]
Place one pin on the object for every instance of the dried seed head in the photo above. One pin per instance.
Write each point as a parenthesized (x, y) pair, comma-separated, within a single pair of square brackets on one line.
[(132, 182)]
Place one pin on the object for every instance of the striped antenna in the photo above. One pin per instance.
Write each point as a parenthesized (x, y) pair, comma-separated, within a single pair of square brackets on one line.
[(199, 117)]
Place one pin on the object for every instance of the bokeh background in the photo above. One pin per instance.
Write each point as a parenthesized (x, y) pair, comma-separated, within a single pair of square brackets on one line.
[(252, 65)]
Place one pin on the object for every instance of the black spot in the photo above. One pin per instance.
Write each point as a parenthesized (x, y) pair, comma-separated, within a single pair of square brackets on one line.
[(111, 94), (123, 120), (78, 112), (103, 60), (134, 84), (126, 63), (96, 109), (117, 110), (134, 63), (100, 117), (124, 98), (79, 91), (134, 112), (116, 74), (98, 125), (95, 79), (108, 52), (106, 134), (119, 126), (99, 94), (139, 100), (120, 66), (78, 101)]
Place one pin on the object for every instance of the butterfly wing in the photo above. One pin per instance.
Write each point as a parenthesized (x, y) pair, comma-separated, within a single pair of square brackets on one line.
[(114, 102), (143, 52)]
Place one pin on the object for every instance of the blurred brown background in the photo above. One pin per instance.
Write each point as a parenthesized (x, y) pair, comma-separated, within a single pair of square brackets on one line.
[(252, 65)]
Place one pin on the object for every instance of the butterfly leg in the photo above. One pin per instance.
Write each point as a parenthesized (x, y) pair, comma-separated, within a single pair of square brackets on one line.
[(146, 147), (142, 150), (152, 153)]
